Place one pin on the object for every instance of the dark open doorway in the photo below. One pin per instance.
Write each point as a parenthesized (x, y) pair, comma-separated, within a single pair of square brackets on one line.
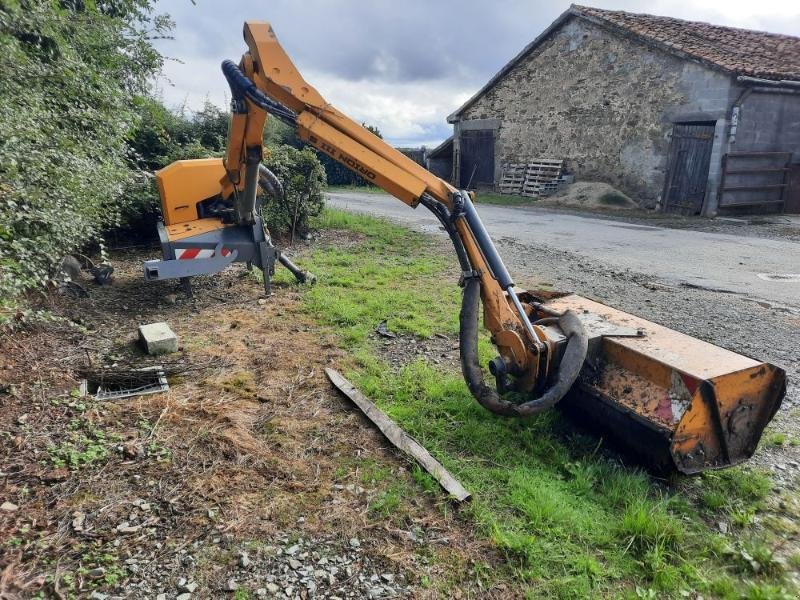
[(477, 158)]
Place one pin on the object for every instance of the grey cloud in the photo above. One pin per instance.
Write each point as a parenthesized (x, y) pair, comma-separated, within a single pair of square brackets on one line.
[(382, 40), (450, 48), (398, 40)]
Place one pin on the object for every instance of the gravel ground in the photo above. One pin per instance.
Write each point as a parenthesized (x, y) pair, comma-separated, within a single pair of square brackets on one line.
[(286, 568)]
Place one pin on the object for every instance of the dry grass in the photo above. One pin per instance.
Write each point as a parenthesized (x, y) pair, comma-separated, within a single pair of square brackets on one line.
[(241, 451)]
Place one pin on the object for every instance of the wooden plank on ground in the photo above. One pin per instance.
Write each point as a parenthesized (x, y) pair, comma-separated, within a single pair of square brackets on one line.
[(398, 437)]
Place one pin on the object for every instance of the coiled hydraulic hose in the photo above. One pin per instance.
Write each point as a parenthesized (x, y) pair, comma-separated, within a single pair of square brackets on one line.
[(571, 362), (270, 182)]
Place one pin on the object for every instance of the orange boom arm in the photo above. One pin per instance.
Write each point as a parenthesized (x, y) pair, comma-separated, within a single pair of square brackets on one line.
[(679, 402)]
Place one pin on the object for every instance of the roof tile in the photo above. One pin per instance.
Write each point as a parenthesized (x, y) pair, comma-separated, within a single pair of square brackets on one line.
[(740, 51)]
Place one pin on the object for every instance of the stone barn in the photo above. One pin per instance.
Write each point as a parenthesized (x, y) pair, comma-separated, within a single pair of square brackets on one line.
[(683, 116)]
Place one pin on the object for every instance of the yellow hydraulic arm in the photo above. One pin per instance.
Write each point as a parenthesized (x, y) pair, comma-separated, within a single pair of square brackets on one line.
[(267, 80), (678, 401)]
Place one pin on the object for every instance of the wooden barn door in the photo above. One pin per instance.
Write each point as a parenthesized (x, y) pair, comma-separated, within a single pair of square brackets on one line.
[(477, 158), (687, 170)]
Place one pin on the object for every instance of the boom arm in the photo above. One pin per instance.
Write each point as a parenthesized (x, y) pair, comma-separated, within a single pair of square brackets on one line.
[(266, 80)]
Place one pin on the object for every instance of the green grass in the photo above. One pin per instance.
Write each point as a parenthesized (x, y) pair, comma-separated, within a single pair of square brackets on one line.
[(391, 275), (775, 439), (503, 199), (363, 189), (571, 522)]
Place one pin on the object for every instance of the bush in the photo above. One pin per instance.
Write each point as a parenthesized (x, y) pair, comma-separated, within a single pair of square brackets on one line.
[(70, 73), (303, 181)]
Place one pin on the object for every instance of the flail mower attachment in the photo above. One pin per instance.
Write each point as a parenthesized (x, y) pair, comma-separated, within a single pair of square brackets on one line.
[(675, 402)]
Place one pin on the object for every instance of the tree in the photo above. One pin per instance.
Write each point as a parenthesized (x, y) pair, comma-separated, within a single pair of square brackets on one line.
[(72, 71)]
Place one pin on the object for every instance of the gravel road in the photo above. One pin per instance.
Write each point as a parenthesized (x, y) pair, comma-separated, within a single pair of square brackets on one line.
[(701, 283), (733, 263)]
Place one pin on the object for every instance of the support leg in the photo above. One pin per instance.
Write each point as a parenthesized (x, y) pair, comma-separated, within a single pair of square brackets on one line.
[(186, 286), (267, 253)]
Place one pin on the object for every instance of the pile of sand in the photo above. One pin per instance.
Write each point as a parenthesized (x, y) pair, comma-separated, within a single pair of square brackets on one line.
[(590, 194)]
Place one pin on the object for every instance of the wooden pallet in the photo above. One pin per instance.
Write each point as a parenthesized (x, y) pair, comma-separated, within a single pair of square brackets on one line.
[(541, 177), (513, 178)]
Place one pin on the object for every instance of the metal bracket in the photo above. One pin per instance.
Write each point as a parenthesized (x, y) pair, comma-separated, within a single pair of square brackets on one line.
[(598, 328), (174, 269), (467, 275)]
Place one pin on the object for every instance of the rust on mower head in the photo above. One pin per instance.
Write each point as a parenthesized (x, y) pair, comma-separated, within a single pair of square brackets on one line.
[(677, 402)]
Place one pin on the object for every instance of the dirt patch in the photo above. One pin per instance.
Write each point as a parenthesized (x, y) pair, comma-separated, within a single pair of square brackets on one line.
[(339, 238), (159, 494), (590, 195), (404, 349)]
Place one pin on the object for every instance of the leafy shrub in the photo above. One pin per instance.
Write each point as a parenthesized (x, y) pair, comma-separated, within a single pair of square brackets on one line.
[(70, 72), (303, 181)]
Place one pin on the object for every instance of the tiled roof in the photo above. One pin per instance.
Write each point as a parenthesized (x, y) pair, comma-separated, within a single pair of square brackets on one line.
[(739, 51), (736, 51)]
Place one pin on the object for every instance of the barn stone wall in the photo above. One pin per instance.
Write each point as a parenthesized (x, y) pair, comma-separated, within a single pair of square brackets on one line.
[(602, 101)]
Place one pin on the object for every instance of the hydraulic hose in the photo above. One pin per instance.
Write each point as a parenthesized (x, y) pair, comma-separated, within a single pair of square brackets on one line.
[(242, 87), (270, 182), (441, 213), (572, 359), (568, 370)]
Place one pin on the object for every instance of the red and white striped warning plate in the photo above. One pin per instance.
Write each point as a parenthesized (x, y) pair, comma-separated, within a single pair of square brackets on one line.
[(189, 253)]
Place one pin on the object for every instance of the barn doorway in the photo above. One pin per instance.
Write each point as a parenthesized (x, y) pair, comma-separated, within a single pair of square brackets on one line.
[(687, 167), (477, 158)]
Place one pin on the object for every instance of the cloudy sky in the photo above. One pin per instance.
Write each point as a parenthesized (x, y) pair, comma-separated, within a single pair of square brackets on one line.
[(402, 65)]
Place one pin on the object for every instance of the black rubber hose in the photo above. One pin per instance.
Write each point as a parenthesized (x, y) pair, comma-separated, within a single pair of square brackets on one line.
[(441, 213), (270, 182), (242, 87), (568, 370)]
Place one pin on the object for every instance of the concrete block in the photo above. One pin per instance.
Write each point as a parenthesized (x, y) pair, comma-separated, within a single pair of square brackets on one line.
[(158, 338)]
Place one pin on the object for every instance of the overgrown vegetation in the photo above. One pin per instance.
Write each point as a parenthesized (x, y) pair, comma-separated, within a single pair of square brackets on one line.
[(81, 134), (571, 520), (71, 72)]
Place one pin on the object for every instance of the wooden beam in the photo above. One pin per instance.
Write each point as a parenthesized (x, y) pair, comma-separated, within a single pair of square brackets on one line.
[(742, 188), (398, 437)]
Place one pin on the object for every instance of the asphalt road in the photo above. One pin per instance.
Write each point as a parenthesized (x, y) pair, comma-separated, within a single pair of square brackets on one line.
[(721, 262)]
